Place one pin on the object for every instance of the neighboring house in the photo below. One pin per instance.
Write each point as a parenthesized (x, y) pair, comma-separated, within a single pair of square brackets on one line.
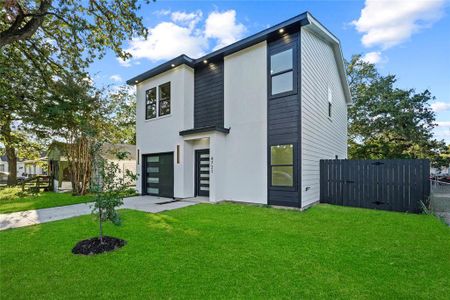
[(58, 164), (26, 167), (249, 122), (4, 165)]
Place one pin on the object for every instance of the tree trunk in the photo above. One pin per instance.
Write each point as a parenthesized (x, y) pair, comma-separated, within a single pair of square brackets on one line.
[(100, 225), (12, 164), (23, 28), (11, 155)]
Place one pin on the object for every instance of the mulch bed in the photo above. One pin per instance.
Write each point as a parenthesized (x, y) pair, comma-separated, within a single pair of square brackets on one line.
[(94, 246)]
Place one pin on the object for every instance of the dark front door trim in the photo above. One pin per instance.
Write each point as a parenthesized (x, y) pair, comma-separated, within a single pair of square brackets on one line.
[(199, 173)]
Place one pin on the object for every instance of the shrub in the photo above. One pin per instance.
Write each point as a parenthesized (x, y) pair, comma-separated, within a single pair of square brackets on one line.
[(12, 193)]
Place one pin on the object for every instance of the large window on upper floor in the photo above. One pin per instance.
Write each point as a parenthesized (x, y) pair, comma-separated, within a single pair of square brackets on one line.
[(157, 101), (150, 103), (282, 72), (164, 99)]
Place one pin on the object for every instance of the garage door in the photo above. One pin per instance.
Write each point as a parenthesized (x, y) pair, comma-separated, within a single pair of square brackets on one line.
[(158, 175)]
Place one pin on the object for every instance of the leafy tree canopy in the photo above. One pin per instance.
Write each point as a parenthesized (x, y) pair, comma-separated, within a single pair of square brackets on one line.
[(386, 121), (46, 45), (72, 26), (122, 112)]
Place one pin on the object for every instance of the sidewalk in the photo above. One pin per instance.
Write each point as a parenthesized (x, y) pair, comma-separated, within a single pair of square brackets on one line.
[(32, 217)]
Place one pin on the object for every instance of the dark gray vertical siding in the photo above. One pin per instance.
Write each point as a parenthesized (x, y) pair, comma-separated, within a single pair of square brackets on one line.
[(208, 95), (284, 122)]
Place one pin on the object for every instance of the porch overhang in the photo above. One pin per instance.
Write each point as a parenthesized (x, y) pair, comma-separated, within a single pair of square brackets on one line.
[(204, 129)]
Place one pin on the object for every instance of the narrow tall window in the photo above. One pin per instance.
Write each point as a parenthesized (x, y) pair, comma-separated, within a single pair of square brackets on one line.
[(164, 99), (282, 165), (330, 102), (150, 103), (282, 72)]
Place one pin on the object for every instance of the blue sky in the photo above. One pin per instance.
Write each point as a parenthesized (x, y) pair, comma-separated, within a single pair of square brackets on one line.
[(408, 38)]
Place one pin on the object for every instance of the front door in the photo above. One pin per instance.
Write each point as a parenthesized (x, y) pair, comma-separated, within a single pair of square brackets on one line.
[(158, 175), (202, 173)]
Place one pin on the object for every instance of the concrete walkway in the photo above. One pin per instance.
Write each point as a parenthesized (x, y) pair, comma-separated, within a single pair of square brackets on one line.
[(32, 217)]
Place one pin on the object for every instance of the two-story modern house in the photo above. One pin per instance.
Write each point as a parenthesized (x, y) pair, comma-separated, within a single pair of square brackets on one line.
[(249, 122)]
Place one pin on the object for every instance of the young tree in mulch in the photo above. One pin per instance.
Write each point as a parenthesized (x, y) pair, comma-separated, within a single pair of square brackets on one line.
[(109, 187)]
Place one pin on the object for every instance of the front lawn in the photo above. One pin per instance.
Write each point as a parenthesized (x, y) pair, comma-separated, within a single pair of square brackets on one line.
[(12, 201), (234, 251)]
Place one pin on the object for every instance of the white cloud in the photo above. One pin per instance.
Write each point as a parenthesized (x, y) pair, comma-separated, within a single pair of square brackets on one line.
[(190, 19), (442, 131), (387, 23), (116, 78), (124, 63), (223, 27), (168, 40), (162, 12), (184, 34), (440, 106), (444, 124), (372, 57)]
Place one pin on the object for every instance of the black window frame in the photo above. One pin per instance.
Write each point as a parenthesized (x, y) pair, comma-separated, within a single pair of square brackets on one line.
[(147, 104), (165, 99), (277, 50), (293, 165), (330, 106)]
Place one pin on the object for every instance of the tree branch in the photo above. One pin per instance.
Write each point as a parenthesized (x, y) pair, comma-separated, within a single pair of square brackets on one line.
[(15, 32)]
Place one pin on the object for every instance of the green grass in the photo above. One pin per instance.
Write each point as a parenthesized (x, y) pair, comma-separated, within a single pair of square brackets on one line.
[(234, 251), (13, 202)]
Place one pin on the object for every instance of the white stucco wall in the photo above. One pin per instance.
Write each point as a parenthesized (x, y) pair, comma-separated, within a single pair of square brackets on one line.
[(322, 137), (162, 134), (244, 149)]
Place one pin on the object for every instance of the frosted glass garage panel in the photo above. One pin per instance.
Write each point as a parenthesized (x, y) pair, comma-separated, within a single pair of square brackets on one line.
[(153, 190), (153, 169), (153, 159), (152, 180)]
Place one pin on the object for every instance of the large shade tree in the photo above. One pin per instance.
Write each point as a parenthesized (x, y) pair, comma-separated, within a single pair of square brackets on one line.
[(122, 115), (386, 121), (44, 43)]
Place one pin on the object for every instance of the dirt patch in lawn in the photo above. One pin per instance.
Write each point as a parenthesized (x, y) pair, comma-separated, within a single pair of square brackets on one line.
[(94, 246)]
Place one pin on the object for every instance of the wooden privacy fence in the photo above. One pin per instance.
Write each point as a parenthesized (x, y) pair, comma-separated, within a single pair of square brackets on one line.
[(394, 184)]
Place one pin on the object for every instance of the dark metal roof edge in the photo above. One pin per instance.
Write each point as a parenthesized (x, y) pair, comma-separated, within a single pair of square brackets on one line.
[(179, 60), (237, 46), (204, 129)]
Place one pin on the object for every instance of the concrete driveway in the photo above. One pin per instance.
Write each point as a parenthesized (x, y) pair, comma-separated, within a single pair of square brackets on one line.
[(141, 203)]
